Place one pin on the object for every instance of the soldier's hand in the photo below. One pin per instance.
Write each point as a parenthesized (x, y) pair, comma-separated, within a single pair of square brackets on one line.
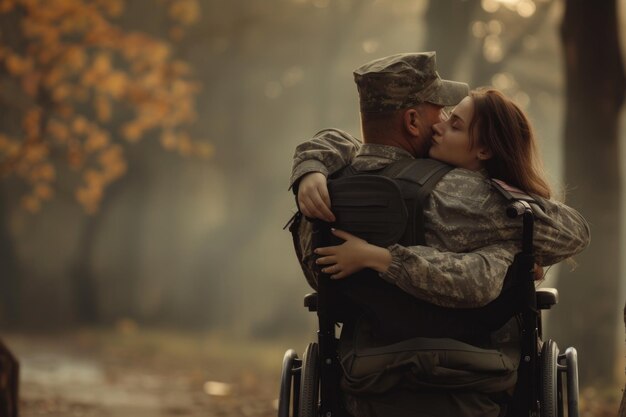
[(313, 198)]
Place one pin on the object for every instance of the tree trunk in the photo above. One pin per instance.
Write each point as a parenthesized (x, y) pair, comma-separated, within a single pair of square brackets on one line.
[(595, 84), (448, 32)]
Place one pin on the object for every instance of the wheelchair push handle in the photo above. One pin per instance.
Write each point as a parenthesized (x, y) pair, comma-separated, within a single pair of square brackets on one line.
[(522, 208), (517, 208)]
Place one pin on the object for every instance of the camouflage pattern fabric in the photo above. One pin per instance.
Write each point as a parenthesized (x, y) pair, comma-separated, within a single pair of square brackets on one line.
[(404, 80), (471, 242)]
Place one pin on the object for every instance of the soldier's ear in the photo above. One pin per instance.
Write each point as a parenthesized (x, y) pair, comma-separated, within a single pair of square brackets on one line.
[(411, 122)]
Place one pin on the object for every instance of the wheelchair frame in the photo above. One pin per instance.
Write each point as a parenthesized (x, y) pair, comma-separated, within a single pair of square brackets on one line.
[(310, 386)]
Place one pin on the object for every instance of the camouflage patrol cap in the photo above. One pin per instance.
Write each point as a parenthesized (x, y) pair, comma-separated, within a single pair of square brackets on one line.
[(404, 80)]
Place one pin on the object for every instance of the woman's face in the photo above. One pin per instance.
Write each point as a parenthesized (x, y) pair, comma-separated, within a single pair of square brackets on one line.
[(451, 141)]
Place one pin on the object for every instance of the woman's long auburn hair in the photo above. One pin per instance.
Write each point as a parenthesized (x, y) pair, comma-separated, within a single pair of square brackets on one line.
[(503, 128)]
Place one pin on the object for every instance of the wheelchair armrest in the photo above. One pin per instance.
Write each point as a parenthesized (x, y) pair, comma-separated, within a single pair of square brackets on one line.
[(310, 301), (546, 298)]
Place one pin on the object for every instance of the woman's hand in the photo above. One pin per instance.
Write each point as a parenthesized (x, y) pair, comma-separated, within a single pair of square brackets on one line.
[(352, 256), (313, 197)]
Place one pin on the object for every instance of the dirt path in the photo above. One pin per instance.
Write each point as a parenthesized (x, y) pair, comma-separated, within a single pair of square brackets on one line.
[(133, 373), (101, 373)]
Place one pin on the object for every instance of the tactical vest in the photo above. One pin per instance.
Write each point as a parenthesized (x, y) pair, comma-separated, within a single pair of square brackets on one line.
[(386, 207)]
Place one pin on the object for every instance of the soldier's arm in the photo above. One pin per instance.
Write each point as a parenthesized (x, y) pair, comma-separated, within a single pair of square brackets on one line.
[(449, 279), (327, 152)]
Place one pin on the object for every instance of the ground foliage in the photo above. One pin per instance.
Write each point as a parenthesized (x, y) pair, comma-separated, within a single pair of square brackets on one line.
[(130, 371)]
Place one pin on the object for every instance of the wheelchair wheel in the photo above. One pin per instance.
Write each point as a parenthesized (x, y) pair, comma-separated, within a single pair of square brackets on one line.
[(310, 382), (289, 384), (550, 402)]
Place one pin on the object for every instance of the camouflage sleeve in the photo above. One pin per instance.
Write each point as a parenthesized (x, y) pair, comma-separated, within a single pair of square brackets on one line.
[(328, 151), (449, 279), (560, 232)]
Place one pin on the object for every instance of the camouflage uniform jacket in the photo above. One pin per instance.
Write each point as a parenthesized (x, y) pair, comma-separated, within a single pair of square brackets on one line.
[(470, 241)]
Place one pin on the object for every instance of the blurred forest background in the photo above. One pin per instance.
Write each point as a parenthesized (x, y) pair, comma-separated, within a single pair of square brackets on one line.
[(145, 151)]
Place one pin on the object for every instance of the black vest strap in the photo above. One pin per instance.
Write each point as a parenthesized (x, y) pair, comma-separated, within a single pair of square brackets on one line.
[(416, 179), (425, 173)]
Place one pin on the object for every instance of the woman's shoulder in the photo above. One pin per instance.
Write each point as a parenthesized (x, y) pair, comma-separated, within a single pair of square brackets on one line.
[(464, 183)]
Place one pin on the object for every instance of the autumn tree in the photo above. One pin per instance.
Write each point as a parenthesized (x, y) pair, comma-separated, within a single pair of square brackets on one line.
[(72, 77), (77, 90)]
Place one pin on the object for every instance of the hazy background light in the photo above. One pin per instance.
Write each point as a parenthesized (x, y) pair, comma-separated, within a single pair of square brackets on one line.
[(531, 42), (522, 99), (292, 76), (273, 89), (479, 29), (490, 6), (495, 27), (409, 8), (492, 49), (503, 81), (321, 3), (370, 46), (526, 8)]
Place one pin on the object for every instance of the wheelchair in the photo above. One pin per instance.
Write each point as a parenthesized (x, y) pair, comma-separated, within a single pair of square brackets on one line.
[(547, 381)]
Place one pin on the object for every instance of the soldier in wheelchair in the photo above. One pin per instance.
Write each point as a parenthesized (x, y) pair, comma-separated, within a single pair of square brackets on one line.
[(433, 283)]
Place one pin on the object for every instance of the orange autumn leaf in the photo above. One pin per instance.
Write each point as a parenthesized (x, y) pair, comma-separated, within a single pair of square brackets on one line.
[(43, 191), (17, 65), (31, 122), (75, 157), (35, 153), (75, 58), (115, 84), (96, 141), (132, 132), (30, 82), (94, 178), (111, 156), (61, 92), (113, 8), (73, 70), (80, 125), (31, 203), (169, 140), (115, 170), (102, 106), (45, 172), (186, 12), (58, 130), (4, 141), (102, 63), (7, 6), (89, 198)]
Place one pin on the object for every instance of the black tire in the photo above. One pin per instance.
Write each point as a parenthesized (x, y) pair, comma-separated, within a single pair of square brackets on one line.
[(310, 382), (289, 382), (549, 379)]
